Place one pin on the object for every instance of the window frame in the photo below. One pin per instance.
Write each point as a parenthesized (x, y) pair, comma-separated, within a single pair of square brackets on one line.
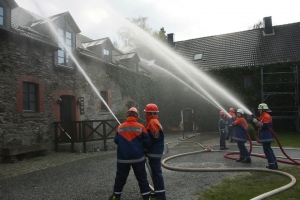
[(106, 55), (197, 55), (2, 16), (248, 80), (62, 54), (29, 100), (104, 95)]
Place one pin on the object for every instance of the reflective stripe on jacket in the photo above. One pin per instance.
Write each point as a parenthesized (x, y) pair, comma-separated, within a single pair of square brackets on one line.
[(131, 138)]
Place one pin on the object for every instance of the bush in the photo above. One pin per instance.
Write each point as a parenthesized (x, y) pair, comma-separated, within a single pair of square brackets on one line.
[(122, 113)]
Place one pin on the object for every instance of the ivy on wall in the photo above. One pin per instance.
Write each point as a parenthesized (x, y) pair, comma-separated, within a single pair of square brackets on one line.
[(133, 84), (171, 96)]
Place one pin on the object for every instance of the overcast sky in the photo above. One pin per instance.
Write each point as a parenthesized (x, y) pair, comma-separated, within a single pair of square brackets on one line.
[(187, 19)]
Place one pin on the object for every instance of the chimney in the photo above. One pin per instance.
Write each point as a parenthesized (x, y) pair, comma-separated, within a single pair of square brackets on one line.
[(268, 30), (171, 39)]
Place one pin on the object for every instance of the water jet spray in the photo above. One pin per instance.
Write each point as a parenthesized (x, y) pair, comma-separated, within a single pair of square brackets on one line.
[(52, 28)]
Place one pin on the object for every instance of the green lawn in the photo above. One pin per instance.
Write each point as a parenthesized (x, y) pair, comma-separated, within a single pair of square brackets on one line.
[(288, 139), (245, 187)]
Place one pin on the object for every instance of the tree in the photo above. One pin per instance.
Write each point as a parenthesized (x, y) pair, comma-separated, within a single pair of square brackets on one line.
[(257, 25), (128, 36), (115, 43), (162, 35), (142, 23)]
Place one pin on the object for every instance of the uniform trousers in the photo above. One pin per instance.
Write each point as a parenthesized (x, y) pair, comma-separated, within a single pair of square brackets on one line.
[(122, 173)]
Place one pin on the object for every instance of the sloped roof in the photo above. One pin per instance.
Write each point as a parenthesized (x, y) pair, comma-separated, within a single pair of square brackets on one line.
[(96, 42), (125, 56), (66, 15), (11, 3), (245, 48), (81, 39), (20, 18)]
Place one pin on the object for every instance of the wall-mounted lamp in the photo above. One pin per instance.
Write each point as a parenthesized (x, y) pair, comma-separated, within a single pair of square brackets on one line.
[(80, 100), (59, 101)]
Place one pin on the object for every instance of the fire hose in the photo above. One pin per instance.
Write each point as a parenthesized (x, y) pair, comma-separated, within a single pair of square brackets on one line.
[(208, 149)]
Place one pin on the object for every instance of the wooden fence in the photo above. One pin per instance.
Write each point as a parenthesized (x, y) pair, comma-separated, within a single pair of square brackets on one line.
[(84, 131)]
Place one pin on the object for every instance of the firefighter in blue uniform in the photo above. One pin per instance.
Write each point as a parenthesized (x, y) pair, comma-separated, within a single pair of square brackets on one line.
[(240, 136), (264, 124), (155, 152), (132, 138), (222, 129), (230, 123)]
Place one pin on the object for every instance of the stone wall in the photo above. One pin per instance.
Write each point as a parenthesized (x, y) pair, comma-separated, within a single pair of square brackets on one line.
[(25, 61)]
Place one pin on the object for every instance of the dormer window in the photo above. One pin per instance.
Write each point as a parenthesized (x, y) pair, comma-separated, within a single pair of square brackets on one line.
[(1, 16), (198, 56), (63, 55), (106, 55)]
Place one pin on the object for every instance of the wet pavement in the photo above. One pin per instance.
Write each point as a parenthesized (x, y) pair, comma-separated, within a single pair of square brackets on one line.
[(65, 175)]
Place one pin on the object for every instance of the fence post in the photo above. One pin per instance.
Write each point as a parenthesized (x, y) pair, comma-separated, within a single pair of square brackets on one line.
[(56, 137), (72, 137), (84, 136), (104, 135)]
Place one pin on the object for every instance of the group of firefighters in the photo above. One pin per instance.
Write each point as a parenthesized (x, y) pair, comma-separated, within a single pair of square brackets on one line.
[(137, 142), (235, 127)]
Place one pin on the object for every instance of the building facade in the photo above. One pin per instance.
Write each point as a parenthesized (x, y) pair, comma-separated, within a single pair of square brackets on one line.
[(45, 65)]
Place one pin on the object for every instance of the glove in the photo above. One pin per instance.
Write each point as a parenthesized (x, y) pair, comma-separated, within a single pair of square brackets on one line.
[(233, 118), (255, 120)]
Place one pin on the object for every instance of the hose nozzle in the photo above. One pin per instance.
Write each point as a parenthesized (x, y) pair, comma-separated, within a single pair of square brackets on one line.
[(207, 149), (254, 116)]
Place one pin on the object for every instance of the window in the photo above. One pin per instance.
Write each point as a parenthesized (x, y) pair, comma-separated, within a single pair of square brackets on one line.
[(63, 55), (198, 56), (106, 55), (29, 97), (1, 16), (248, 81), (104, 97)]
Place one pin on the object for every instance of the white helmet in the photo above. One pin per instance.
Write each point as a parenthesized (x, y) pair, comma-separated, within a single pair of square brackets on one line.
[(240, 111), (264, 106)]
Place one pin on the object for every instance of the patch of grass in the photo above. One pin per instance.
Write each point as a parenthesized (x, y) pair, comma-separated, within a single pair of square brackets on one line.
[(288, 139), (244, 187)]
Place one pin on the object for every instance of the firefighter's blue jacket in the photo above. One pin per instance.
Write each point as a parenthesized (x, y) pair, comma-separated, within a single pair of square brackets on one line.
[(155, 131), (132, 138), (264, 134), (240, 130)]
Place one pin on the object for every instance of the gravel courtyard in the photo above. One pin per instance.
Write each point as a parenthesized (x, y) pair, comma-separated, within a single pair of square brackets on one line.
[(65, 175)]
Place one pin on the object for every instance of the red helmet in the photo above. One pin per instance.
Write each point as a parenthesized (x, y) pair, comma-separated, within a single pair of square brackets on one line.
[(222, 112), (151, 107), (133, 109), (231, 109)]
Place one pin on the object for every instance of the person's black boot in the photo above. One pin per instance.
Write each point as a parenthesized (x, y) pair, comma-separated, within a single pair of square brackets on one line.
[(224, 148), (246, 161)]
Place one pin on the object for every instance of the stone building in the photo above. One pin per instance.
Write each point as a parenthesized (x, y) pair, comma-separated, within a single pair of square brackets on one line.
[(41, 79)]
